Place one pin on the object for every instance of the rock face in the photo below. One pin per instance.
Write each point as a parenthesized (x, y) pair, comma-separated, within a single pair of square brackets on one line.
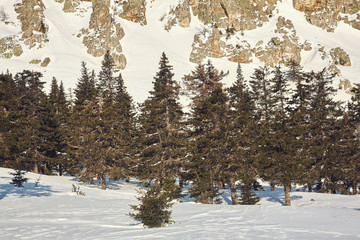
[(9, 48), (327, 13), (134, 11), (340, 57), (285, 48), (33, 26), (239, 15), (70, 5), (103, 33)]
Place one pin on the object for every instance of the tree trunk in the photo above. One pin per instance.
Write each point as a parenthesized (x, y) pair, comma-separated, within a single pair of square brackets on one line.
[(354, 188), (234, 196), (272, 186), (103, 182), (60, 170), (287, 189), (127, 179), (221, 184), (309, 187)]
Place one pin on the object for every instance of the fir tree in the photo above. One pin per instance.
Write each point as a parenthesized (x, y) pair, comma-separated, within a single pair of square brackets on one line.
[(161, 125), (240, 164), (8, 114), (152, 211), (207, 147), (26, 138), (18, 180), (323, 112)]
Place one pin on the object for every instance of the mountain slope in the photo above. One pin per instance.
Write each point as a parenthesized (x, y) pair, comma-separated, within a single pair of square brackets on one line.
[(143, 44)]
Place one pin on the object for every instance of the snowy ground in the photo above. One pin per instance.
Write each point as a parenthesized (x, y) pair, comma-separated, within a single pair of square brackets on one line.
[(52, 211)]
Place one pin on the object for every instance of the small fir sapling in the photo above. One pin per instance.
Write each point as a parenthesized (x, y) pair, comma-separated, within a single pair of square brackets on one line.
[(18, 180)]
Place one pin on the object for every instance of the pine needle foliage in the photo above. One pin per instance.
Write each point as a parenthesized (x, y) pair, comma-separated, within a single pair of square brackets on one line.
[(19, 178), (153, 209)]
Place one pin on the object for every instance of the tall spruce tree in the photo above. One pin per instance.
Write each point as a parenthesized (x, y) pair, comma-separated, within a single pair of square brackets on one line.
[(207, 146), (240, 164), (53, 115), (263, 97), (26, 137), (8, 115), (323, 112), (161, 126)]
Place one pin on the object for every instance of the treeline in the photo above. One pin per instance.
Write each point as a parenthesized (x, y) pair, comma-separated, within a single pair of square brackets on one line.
[(256, 129)]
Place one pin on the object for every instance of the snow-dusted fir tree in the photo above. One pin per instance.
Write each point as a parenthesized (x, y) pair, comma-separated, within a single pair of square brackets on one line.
[(240, 164), (162, 130), (207, 147)]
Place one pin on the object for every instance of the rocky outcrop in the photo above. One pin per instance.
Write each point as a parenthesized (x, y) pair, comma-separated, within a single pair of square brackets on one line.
[(104, 34), (70, 5), (340, 57), (327, 13), (217, 43), (33, 26), (9, 48), (239, 15), (134, 11)]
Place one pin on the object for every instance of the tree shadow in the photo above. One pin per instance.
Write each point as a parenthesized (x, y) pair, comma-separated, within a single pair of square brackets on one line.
[(29, 190), (277, 196)]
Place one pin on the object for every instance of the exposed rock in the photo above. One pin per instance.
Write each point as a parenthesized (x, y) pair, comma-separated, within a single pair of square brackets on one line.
[(45, 62), (180, 15), (134, 10), (240, 14), (327, 13), (31, 16), (281, 50), (9, 48), (345, 84), (104, 34), (70, 5), (35, 61), (340, 57)]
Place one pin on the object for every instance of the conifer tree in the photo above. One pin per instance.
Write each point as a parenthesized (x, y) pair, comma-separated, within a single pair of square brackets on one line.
[(263, 97), (53, 115), (8, 106), (26, 138), (161, 127), (207, 147), (240, 164), (152, 211), (282, 145), (323, 112)]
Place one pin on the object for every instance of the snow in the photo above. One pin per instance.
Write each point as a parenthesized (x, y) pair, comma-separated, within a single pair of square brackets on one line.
[(52, 211)]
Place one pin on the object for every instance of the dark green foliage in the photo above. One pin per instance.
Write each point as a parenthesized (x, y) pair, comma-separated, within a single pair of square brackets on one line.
[(240, 164), (18, 180), (207, 145), (161, 127), (152, 211), (248, 196)]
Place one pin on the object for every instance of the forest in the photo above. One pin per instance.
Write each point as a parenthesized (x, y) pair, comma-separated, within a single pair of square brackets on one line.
[(282, 126)]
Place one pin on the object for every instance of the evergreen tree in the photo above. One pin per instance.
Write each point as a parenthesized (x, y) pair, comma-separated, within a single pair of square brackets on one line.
[(207, 147), (85, 88), (18, 180), (240, 164), (8, 106), (323, 112), (263, 97), (152, 211), (161, 127), (25, 137), (53, 116)]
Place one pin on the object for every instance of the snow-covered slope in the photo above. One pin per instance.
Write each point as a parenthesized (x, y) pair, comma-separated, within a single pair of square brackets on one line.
[(52, 211), (143, 45)]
